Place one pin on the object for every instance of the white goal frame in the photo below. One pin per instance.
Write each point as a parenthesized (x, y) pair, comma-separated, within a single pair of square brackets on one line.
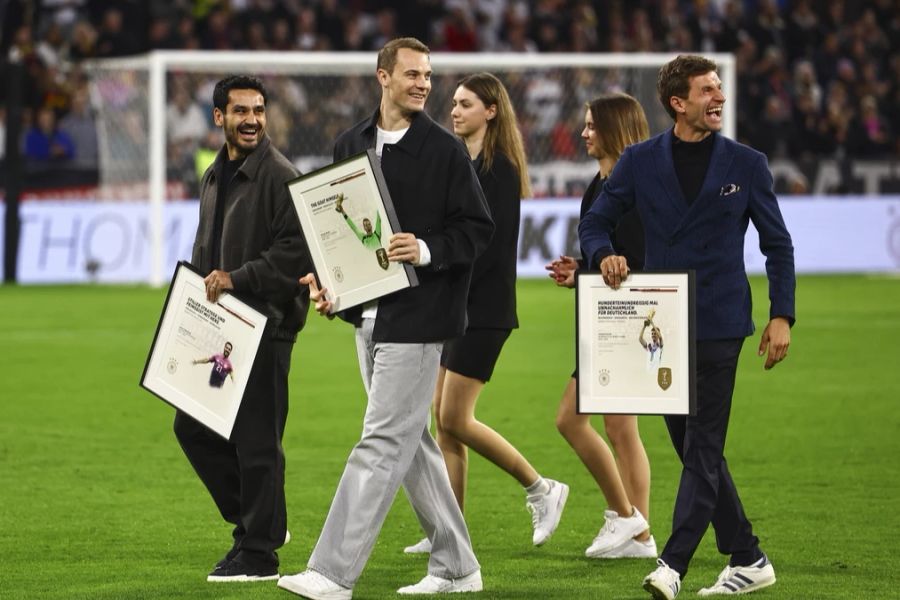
[(158, 63)]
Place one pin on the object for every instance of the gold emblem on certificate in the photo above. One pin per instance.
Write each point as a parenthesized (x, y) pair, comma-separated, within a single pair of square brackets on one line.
[(634, 339), (381, 255), (664, 377)]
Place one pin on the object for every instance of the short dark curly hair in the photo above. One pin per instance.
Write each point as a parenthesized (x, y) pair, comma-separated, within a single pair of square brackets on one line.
[(237, 82), (675, 77)]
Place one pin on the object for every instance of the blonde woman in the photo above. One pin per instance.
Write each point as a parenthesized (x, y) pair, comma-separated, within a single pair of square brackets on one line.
[(611, 122), (483, 117)]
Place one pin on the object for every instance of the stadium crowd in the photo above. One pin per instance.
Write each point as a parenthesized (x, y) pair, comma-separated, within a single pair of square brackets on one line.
[(816, 78)]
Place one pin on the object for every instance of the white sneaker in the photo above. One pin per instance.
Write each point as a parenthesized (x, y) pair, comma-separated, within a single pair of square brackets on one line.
[(663, 583), (431, 584), (423, 546), (742, 580), (546, 510), (316, 586), (632, 549), (616, 531)]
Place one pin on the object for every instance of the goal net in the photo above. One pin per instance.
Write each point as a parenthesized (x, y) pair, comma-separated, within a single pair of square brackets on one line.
[(155, 112)]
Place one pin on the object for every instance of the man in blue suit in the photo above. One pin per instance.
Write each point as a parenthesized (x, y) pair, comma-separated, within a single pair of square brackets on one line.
[(696, 191)]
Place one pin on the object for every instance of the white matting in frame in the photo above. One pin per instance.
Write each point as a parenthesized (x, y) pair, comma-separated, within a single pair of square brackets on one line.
[(347, 218), (203, 352), (635, 348)]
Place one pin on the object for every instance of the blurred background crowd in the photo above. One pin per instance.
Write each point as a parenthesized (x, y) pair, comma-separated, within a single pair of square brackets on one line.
[(816, 79)]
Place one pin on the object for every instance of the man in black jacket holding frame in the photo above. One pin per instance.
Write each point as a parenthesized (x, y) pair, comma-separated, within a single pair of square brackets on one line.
[(445, 225)]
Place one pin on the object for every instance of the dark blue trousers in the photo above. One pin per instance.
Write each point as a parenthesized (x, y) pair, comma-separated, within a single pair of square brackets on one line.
[(706, 493), (245, 475)]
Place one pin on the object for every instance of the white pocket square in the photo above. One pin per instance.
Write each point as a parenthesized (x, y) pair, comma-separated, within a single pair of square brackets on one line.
[(729, 189)]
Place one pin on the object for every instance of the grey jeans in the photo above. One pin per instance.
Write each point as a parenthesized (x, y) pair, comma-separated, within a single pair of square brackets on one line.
[(396, 447)]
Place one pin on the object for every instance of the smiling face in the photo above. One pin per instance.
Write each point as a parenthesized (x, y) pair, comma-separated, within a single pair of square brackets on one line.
[(700, 113), (406, 88), (470, 115), (244, 122), (590, 137)]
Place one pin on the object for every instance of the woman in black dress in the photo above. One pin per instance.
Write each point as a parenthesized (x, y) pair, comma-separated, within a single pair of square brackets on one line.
[(483, 117), (611, 122)]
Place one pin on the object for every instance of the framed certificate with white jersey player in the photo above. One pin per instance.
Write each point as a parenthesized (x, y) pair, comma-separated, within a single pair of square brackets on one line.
[(348, 219), (635, 344), (202, 353)]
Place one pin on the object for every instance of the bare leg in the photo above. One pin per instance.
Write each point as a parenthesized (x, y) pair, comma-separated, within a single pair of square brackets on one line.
[(634, 467), (592, 451), (456, 454), (457, 427)]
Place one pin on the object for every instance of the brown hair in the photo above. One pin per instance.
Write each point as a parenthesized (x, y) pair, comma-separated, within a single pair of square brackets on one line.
[(675, 78), (619, 121), (387, 56), (502, 134)]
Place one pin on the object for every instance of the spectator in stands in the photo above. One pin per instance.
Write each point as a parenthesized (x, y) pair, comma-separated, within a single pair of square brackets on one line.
[(384, 31), (459, 29), (45, 141), (113, 39), (873, 130), (83, 45), (205, 155), (516, 38), (80, 125), (185, 121), (855, 42)]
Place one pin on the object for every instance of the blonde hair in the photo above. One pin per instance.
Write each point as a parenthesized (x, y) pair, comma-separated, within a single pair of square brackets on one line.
[(619, 121), (502, 133)]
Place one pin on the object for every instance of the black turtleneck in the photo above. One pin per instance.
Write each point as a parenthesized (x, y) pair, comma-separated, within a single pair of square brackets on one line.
[(691, 162)]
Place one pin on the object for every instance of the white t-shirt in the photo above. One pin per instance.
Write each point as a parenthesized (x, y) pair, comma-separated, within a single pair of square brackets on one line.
[(382, 137)]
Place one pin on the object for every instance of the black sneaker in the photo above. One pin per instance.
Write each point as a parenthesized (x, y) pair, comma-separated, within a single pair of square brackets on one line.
[(239, 570), (227, 558)]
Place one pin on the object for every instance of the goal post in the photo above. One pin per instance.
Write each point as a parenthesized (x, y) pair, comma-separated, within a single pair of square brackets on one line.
[(315, 95)]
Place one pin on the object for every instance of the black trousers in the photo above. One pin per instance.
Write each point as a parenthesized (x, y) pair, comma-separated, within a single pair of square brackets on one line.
[(245, 475), (706, 493)]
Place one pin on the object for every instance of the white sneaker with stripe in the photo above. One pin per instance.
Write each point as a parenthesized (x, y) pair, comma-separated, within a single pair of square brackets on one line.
[(742, 580), (664, 583)]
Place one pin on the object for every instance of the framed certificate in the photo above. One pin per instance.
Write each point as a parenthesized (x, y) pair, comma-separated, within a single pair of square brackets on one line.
[(202, 353), (635, 349), (347, 218)]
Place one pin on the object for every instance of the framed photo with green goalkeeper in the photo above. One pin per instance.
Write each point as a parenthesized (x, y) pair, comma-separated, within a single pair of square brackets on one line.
[(347, 218), (635, 344)]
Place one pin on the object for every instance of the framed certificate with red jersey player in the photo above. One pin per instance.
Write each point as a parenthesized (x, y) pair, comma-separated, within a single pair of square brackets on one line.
[(636, 344), (202, 352)]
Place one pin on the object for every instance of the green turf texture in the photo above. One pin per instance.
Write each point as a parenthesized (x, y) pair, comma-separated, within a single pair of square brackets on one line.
[(98, 502)]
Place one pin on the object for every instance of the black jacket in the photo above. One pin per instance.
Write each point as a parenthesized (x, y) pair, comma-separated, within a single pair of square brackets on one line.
[(492, 296), (438, 199), (627, 239), (262, 246)]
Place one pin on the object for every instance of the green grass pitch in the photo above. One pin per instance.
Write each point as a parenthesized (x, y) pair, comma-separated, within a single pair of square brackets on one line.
[(98, 502)]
